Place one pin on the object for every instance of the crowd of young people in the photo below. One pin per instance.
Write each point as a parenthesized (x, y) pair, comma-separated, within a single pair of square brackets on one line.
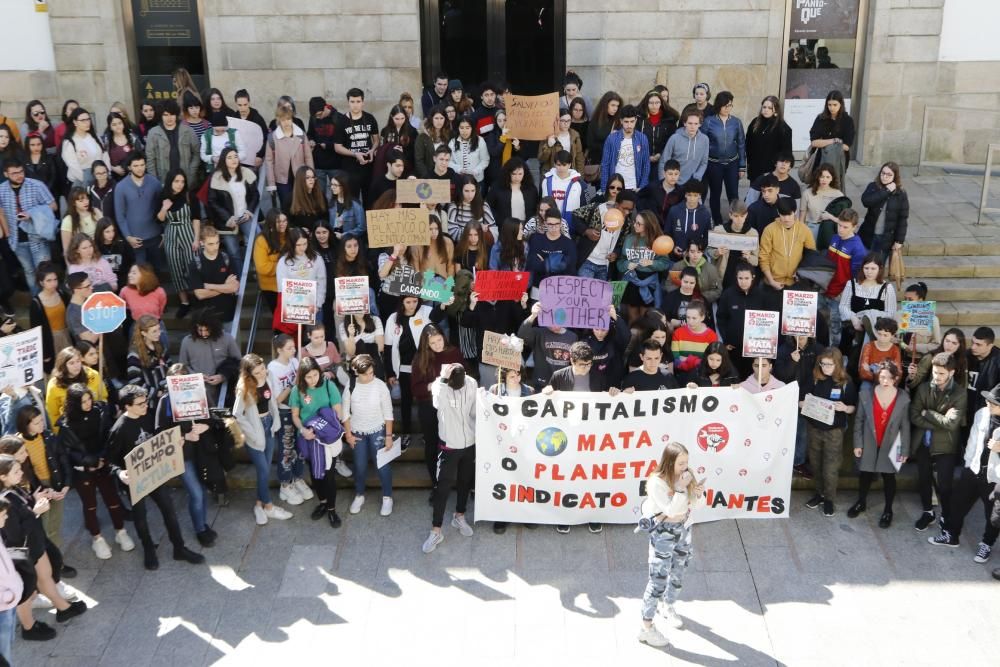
[(175, 195)]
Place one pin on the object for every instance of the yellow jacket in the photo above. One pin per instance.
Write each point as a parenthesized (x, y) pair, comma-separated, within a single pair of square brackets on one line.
[(55, 396), (781, 249), (266, 264)]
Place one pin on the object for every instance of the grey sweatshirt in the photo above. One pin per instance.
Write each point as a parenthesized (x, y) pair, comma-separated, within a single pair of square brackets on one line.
[(691, 152), (456, 413)]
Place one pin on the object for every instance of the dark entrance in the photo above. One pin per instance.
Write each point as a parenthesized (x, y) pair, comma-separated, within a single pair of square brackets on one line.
[(522, 42), (167, 36)]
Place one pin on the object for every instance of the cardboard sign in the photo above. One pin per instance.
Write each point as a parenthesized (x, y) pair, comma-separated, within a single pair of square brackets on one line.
[(403, 281), (423, 191), (798, 313), (531, 117), (21, 359), (734, 242), (154, 462), (398, 226), (188, 400), (298, 301), (435, 288), (534, 452), (502, 351), (917, 316), (617, 292), (501, 285), (575, 303), (352, 295), (760, 333), (819, 409)]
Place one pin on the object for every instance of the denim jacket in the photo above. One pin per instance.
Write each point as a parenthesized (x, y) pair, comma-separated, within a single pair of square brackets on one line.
[(726, 142)]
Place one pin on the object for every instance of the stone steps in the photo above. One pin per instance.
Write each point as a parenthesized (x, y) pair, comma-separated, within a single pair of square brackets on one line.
[(953, 267)]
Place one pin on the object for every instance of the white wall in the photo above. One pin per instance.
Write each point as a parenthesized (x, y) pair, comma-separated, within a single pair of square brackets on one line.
[(968, 31), (27, 38)]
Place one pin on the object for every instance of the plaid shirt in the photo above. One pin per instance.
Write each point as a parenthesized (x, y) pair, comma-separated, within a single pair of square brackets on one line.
[(32, 193)]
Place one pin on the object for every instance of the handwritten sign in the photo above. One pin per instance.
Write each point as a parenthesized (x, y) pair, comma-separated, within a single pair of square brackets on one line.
[(398, 226), (798, 313), (501, 285), (21, 358), (154, 462), (819, 409), (502, 351), (403, 281), (760, 333), (736, 242), (423, 191), (298, 301), (617, 292), (188, 400), (531, 117), (435, 288), (917, 316), (352, 295), (574, 302)]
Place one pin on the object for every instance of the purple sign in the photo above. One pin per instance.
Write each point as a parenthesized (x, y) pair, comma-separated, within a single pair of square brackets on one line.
[(575, 303)]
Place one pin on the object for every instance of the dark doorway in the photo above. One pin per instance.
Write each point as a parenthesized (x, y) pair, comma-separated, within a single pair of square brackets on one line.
[(522, 42)]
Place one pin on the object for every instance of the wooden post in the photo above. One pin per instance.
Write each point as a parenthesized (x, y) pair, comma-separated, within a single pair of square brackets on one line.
[(298, 339)]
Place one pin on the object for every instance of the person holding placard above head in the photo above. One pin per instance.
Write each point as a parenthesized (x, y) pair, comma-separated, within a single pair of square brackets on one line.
[(881, 439), (134, 427), (727, 260), (482, 316), (781, 248), (640, 265), (830, 382), (368, 423), (608, 346), (256, 411), (671, 492)]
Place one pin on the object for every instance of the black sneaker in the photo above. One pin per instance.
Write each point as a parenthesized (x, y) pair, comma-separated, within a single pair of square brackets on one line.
[(67, 571), (814, 502), (74, 609), (561, 529), (334, 520), (925, 520), (183, 310), (885, 520), (944, 540), (318, 512), (206, 538), (856, 509), (827, 508), (803, 470), (499, 527), (39, 632), (183, 553), (595, 528), (150, 561)]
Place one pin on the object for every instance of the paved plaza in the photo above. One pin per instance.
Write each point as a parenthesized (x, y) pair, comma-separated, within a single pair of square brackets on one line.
[(805, 591)]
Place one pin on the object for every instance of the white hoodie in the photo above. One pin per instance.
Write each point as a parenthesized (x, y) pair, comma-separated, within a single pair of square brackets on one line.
[(568, 192)]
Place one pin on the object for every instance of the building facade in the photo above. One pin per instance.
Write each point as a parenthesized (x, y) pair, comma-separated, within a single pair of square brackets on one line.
[(896, 57)]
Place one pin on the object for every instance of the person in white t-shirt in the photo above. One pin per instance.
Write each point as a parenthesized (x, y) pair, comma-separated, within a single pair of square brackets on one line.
[(281, 374)]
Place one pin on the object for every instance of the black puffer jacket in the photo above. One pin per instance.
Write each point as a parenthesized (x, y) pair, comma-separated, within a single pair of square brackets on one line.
[(84, 451), (897, 214)]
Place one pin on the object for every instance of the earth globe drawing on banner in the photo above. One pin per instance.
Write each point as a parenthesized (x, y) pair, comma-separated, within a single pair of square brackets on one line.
[(424, 190), (551, 441)]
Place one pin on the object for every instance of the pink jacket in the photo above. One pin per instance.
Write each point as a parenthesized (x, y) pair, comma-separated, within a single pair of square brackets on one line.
[(11, 585), (283, 151)]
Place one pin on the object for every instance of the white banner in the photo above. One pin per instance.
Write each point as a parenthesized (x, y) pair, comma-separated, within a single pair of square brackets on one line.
[(572, 458), (21, 358)]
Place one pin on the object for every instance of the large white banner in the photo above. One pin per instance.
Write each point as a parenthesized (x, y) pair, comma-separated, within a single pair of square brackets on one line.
[(571, 458)]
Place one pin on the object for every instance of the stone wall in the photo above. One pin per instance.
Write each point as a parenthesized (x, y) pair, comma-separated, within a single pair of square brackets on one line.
[(903, 76), (631, 45), (304, 48)]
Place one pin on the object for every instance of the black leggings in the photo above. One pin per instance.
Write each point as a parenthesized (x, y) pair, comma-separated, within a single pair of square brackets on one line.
[(326, 486), (428, 418), (456, 467), (934, 471), (865, 480), (406, 401)]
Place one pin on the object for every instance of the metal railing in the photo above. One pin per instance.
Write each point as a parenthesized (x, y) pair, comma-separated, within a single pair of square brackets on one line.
[(922, 160), (986, 184), (234, 327)]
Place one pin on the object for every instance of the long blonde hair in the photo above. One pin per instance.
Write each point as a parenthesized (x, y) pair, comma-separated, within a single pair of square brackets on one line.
[(665, 469), (247, 382), (146, 356)]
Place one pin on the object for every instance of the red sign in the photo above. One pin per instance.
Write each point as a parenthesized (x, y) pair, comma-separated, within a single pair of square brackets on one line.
[(501, 285), (103, 312)]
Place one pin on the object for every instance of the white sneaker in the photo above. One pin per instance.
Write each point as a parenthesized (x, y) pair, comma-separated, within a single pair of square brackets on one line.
[(653, 637), (259, 515), (670, 616), (458, 521), (279, 513), (342, 469), (124, 540), (356, 504), (303, 489), (101, 548), (289, 493), (430, 544), (386, 506)]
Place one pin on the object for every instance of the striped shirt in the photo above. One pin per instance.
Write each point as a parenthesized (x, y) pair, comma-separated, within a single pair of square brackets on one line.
[(368, 406)]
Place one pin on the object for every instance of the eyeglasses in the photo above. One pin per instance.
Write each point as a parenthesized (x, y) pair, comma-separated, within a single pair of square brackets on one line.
[(614, 188), (36, 114), (565, 120), (139, 404), (83, 119), (87, 286)]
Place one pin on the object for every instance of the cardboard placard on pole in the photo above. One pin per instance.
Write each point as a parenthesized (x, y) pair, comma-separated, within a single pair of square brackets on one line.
[(531, 117), (760, 333), (398, 226), (423, 191), (917, 316), (502, 351)]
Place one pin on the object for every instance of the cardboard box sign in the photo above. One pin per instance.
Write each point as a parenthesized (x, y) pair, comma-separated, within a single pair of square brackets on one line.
[(423, 191), (532, 117), (398, 226)]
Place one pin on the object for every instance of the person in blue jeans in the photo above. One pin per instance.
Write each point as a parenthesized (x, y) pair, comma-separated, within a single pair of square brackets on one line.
[(727, 157), (256, 411), (368, 429), (11, 591)]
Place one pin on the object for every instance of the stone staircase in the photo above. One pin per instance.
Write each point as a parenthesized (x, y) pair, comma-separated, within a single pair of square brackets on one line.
[(962, 277)]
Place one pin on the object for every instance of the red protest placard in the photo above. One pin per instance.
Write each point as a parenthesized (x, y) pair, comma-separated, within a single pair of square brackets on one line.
[(501, 285)]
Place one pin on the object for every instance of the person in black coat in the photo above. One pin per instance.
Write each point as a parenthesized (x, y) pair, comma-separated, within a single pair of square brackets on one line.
[(514, 175), (888, 211), (730, 312), (768, 136)]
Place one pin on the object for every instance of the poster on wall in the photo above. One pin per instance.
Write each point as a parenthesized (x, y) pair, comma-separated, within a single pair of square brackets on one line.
[(828, 19)]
